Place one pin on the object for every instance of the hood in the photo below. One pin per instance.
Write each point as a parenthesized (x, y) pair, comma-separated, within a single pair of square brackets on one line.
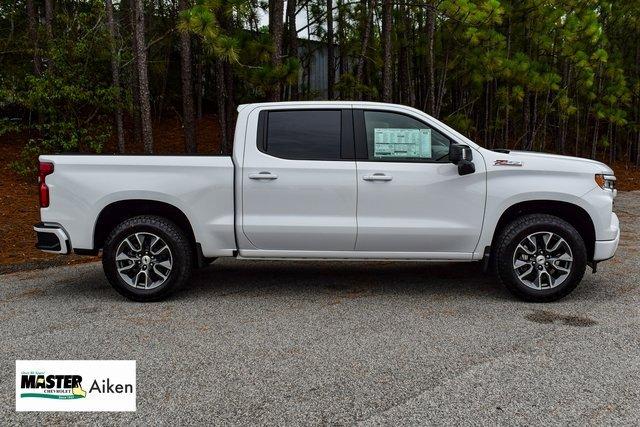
[(558, 160)]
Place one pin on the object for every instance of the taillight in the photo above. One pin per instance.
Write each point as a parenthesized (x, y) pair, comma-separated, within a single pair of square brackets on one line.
[(44, 169)]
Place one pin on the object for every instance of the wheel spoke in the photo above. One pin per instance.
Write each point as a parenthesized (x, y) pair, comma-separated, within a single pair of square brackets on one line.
[(542, 260), (564, 257), (544, 278), (140, 237), (524, 248), (126, 267), (143, 260), (159, 273), (144, 275), (166, 264), (556, 245), (519, 263), (122, 256), (162, 248), (526, 273), (131, 245)]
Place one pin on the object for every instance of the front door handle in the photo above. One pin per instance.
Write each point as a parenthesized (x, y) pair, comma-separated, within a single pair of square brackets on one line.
[(377, 177), (263, 175)]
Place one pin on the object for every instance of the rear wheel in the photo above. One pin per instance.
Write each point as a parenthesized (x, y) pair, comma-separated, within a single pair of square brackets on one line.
[(146, 258), (540, 257)]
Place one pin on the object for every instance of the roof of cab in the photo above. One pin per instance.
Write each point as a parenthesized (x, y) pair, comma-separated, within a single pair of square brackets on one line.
[(311, 103)]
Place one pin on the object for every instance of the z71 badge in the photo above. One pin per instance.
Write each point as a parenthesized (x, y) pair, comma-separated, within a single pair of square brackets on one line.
[(507, 163)]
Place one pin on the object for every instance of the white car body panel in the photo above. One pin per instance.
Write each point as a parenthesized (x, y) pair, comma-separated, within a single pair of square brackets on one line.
[(200, 186), (324, 209), (416, 211), (309, 206)]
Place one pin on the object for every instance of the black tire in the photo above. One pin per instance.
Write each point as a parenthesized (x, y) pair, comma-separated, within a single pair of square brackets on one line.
[(173, 236), (518, 230)]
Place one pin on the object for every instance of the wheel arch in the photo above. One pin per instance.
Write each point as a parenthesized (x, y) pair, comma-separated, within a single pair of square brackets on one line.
[(116, 212), (570, 212)]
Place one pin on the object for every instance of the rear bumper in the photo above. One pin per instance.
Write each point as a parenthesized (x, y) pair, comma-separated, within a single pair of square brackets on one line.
[(606, 249), (52, 238)]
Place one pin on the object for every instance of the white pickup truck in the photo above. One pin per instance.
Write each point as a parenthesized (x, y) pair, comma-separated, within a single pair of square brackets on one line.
[(333, 181)]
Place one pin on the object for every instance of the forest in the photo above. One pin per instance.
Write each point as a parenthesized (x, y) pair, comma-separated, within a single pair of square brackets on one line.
[(559, 76)]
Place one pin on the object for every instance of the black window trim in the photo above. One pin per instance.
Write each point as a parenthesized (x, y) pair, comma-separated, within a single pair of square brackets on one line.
[(360, 136), (347, 139)]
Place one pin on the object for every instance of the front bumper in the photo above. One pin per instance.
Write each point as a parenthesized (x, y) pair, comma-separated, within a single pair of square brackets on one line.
[(52, 238), (605, 249)]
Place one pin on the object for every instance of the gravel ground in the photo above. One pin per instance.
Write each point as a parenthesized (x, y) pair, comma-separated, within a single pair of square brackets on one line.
[(342, 343)]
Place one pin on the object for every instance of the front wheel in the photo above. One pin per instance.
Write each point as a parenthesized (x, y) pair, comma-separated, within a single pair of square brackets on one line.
[(146, 258), (540, 258)]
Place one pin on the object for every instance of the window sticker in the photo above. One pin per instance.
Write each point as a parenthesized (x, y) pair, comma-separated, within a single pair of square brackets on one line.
[(401, 143)]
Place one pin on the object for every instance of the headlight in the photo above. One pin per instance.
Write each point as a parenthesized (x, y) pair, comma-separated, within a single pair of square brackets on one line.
[(606, 182)]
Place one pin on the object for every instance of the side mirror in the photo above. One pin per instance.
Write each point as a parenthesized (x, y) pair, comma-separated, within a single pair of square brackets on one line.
[(466, 167), (461, 155), (459, 152)]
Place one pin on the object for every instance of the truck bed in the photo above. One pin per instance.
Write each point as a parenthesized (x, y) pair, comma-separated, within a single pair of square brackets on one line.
[(200, 186)]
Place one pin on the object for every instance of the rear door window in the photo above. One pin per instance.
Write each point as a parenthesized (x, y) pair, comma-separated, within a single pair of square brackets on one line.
[(303, 134)]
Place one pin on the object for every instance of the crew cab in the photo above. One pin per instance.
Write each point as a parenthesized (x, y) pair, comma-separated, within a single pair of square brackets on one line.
[(333, 181)]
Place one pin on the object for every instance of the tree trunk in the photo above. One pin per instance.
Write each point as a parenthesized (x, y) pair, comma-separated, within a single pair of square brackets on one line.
[(594, 140), (596, 121), (637, 103), (410, 35), (534, 122), (188, 119), (526, 102), (331, 58), (143, 78), (365, 41), (544, 120), (342, 66), (505, 142), (135, 84), (577, 141), (199, 86), (525, 120), (32, 22), (387, 57), (276, 29), (293, 43), (485, 132), (115, 74), (162, 96), (431, 27), (442, 86), (231, 108), (221, 97), (403, 56), (638, 148), (48, 17)]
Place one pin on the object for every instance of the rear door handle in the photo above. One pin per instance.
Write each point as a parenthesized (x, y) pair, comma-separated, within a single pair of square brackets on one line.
[(263, 175), (377, 177)]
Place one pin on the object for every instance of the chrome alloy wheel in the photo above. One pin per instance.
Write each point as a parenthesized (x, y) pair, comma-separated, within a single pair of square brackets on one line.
[(144, 260), (542, 260)]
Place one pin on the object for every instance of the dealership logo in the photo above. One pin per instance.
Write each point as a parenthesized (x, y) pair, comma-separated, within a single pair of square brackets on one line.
[(52, 386), (80, 385)]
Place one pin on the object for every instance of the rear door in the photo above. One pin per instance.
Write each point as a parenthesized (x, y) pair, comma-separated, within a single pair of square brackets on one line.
[(410, 198), (299, 185)]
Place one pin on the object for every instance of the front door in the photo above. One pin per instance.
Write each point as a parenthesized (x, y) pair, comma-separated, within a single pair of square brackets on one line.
[(299, 185), (410, 198)]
